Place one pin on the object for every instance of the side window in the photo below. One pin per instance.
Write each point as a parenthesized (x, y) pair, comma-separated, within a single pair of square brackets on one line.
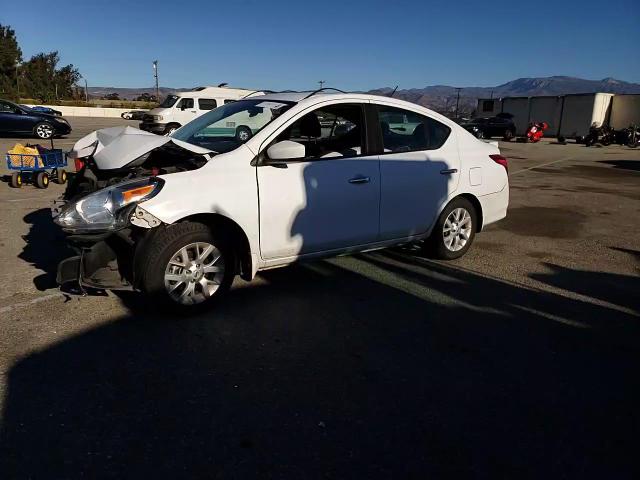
[(186, 103), (7, 108), (207, 103), (228, 101), (406, 131), (329, 132)]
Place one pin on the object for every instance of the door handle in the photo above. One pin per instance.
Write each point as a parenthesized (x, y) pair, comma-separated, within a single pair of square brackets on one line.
[(449, 171), (357, 180)]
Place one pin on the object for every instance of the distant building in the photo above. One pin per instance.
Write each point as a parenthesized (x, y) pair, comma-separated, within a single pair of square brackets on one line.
[(567, 115)]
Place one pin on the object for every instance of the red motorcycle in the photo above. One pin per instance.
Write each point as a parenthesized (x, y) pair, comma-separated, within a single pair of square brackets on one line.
[(536, 131)]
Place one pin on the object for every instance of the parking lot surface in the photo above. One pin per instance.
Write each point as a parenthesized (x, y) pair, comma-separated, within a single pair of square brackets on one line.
[(519, 360)]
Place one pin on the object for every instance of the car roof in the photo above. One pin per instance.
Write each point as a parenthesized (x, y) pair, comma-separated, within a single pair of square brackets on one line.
[(304, 99)]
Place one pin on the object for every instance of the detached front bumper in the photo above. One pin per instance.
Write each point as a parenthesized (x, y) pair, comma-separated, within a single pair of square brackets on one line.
[(103, 262)]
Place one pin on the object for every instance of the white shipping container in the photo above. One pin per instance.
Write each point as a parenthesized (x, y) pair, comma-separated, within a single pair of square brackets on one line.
[(625, 111)]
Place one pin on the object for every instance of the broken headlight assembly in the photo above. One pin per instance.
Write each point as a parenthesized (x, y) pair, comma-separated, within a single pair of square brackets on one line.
[(109, 208)]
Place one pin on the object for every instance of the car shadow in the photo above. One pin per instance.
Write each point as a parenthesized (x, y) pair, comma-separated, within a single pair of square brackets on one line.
[(360, 367), (44, 248), (633, 165)]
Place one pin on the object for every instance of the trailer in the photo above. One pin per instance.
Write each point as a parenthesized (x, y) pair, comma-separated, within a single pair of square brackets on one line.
[(625, 111)]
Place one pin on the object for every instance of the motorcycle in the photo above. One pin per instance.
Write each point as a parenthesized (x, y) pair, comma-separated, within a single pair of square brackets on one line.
[(535, 131), (629, 136), (603, 135)]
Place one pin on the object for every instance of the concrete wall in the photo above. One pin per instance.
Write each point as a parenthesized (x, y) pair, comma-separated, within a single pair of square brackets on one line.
[(625, 110), (88, 111)]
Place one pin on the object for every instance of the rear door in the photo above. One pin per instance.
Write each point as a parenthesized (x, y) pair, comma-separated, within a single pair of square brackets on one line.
[(419, 168)]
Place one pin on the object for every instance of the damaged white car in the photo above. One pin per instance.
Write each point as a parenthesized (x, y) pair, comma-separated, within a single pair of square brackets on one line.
[(312, 175)]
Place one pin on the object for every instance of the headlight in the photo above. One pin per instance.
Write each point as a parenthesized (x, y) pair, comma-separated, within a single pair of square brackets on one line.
[(62, 120), (157, 118), (106, 208)]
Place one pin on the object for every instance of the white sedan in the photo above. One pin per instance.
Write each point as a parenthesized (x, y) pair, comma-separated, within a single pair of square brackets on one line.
[(312, 175)]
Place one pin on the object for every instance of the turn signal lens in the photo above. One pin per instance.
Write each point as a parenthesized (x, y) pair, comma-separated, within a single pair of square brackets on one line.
[(135, 194)]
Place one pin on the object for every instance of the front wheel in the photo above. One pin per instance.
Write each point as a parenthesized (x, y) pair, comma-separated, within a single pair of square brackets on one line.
[(16, 180), (187, 266), (43, 130), (454, 231), (42, 180), (60, 175)]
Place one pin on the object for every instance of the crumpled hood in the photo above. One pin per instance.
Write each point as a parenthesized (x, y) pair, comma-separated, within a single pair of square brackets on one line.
[(119, 146)]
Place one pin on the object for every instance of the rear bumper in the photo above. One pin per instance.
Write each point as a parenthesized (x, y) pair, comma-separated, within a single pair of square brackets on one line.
[(494, 206)]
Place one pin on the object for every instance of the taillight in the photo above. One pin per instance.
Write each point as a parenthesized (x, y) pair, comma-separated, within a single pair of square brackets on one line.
[(501, 160), (79, 164)]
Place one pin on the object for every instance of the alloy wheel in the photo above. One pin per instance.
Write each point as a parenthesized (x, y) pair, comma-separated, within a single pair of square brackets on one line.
[(194, 273), (456, 230), (44, 131)]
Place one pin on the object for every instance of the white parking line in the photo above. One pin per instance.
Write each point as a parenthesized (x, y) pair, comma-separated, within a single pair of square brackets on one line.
[(542, 165)]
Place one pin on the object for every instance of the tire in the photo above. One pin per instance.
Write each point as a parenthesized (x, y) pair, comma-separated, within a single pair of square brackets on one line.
[(172, 127), (42, 180), (16, 180), (60, 176), (159, 269), (508, 135), (479, 134), (243, 133), (437, 246), (43, 130)]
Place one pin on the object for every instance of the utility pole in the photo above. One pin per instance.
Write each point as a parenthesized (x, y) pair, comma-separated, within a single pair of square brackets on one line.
[(155, 74), (86, 91), (322, 82), (457, 100), (491, 97)]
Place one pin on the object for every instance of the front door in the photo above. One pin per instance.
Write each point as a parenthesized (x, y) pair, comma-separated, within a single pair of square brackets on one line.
[(185, 111), (13, 119), (419, 168), (327, 200)]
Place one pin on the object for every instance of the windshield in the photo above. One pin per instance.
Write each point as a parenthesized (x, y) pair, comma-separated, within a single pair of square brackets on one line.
[(226, 128), (169, 101)]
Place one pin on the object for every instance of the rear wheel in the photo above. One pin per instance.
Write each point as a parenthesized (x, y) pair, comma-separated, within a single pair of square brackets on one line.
[(16, 180), (187, 266), (454, 231), (508, 135), (42, 180), (243, 133), (480, 134)]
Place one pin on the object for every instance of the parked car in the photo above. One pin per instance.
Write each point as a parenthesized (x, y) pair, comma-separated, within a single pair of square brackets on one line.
[(293, 191), (497, 126), (41, 109), (179, 109), (16, 119), (134, 114)]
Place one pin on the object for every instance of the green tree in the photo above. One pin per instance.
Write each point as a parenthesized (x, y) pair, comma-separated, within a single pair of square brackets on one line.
[(10, 57), (44, 82)]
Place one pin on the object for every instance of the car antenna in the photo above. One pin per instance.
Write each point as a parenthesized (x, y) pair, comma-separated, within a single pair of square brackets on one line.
[(394, 91)]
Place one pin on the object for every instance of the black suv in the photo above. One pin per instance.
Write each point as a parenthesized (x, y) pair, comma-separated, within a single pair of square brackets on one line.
[(17, 119), (498, 126)]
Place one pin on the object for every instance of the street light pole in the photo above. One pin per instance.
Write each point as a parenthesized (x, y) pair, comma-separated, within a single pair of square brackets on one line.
[(155, 74), (86, 91), (322, 82)]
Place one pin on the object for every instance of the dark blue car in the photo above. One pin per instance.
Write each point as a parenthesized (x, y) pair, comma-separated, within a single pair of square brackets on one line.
[(17, 119), (48, 110)]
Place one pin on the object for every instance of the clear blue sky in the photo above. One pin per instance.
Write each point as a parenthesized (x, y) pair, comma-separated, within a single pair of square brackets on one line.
[(352, 44)]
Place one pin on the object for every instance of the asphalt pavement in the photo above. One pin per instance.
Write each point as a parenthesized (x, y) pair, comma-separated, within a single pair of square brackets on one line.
[(519, 360)]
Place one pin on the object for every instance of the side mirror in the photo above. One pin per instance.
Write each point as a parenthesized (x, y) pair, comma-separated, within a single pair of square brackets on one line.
[(183, 107), (286, 150)]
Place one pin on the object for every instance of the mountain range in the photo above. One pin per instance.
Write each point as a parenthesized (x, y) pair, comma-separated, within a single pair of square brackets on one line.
[(443, 97)]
